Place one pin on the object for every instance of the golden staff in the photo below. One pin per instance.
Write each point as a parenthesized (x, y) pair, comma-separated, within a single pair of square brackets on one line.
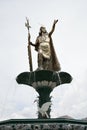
[(29, 47)]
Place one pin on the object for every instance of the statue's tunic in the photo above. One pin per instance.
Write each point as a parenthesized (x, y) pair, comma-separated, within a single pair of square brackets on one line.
[(44, 47)]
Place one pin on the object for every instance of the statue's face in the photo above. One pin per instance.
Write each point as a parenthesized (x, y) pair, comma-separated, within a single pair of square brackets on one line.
[(43, 29)]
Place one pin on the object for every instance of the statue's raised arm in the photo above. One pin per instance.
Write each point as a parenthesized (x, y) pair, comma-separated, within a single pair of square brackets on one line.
[(53, 27)]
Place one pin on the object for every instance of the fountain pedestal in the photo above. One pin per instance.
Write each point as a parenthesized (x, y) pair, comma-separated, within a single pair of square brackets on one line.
[(44, 81)]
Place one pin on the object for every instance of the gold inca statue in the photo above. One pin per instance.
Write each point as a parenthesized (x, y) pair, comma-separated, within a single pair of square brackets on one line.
[(47, 58)]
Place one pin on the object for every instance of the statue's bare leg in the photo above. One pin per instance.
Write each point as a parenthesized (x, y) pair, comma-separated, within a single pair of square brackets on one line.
[(46, 64), (40, 61)]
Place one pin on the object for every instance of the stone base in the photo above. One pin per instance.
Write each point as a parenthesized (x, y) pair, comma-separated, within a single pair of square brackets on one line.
[(41, 124)]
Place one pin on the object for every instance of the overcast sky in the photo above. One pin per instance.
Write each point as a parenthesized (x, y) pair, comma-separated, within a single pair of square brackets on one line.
[(70, 42)]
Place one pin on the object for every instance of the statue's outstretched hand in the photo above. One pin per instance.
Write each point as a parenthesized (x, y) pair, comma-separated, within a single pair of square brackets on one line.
[(55, 21)]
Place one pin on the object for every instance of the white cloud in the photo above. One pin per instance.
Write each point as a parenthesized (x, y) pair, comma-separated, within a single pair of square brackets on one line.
[(70, 100)]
